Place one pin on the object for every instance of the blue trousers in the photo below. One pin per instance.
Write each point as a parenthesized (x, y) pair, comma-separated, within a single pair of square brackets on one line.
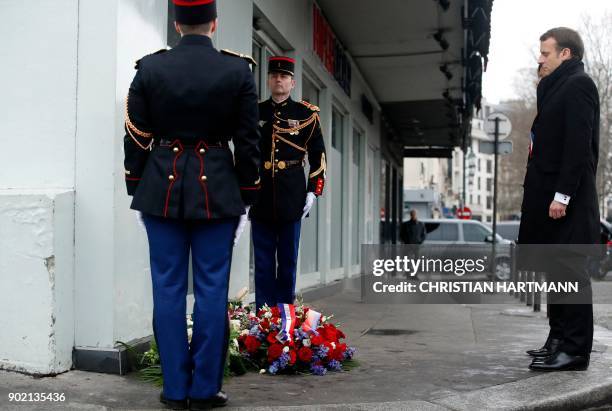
[(195, 370), (276, 251)]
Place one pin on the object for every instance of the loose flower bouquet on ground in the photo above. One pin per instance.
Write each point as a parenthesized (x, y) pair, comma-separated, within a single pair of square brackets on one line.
[(284, 339), (289, 339)]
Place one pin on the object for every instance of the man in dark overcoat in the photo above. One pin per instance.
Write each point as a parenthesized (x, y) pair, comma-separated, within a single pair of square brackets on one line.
[(560, 205)]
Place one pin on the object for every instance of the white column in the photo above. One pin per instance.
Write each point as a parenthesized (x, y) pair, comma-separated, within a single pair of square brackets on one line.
[(235, 33), (37, 134)]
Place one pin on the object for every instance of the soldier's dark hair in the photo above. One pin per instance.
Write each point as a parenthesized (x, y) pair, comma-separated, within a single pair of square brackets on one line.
[(566, 39), (196, 28)]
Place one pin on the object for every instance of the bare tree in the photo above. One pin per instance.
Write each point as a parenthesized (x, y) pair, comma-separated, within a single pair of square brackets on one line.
[(597, 36), (512, 167)]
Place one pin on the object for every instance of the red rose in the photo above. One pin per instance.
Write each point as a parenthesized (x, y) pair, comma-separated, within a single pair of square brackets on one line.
[(340, 334), (272, 337), (305, 354), (265, 325), (275, 312), (317, 339), (252, 344), (274, 351), (329, 332), (260, 313), (292, 357)]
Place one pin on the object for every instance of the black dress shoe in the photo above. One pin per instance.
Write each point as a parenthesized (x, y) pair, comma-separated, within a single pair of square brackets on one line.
[(173, 404), (547, 350), (217, 400), (561, 362)]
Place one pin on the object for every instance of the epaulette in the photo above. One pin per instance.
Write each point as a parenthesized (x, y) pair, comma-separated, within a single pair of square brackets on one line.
[(248, 58), (310, 106), (137, 65)]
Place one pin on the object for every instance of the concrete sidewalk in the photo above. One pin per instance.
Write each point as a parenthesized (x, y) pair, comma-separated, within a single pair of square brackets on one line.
[(413, 357)]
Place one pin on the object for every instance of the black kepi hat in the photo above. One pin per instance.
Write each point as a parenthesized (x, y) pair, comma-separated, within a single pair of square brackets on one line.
[(193, 12), (281, 64)]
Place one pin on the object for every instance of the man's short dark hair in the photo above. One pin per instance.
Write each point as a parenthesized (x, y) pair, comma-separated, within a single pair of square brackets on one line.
[(196, 28), (566, 39)]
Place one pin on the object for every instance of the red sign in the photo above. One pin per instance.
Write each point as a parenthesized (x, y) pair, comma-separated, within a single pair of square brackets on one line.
[(329, 50), (464, 213)]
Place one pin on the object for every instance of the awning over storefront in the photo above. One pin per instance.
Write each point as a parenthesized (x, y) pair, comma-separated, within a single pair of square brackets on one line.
[(423, 59)]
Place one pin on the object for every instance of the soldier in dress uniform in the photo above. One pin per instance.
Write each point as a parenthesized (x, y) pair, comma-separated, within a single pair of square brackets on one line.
[(291, 132), (183, 107)]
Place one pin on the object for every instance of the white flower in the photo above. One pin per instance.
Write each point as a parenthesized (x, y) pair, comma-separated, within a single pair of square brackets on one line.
[(333, 344), (268, 314), (285, 349), (235, 341), (235, 324), (306, 342), (262, 371), (244, 332)]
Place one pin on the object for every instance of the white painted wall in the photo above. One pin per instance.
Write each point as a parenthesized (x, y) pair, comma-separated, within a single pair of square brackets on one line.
[(144, 23), (37, 124), (235, 33), (37, 280), (37, 133)]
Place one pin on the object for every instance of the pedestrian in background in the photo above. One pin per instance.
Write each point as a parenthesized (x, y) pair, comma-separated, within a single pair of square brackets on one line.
[(413, 230)]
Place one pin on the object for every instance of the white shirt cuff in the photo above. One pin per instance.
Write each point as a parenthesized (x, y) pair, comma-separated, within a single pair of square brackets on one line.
[(562, 198)]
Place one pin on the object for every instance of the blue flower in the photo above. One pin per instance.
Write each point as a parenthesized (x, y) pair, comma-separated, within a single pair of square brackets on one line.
[(334, 365), (318, 370), (299, 333), (283, 361), (322, 351), (348, 354)]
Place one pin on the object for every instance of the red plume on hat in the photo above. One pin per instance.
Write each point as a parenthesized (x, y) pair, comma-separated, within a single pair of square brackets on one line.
[(193, 12)]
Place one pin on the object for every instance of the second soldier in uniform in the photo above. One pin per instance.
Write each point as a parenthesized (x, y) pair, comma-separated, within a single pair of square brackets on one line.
[(291, 133)]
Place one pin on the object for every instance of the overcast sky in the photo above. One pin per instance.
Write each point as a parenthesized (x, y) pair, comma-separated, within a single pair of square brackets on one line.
[(515, 30)]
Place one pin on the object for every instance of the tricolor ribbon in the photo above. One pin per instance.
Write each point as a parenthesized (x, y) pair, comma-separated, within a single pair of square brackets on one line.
[(287, 312)]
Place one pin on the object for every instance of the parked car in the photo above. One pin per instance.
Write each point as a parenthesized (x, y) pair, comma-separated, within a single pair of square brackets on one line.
[(598, 268), (476, 238), (509, 229)]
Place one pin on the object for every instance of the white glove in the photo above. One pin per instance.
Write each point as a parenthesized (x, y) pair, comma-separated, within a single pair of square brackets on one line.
[(241, 224), (310, 199), (140, 221)]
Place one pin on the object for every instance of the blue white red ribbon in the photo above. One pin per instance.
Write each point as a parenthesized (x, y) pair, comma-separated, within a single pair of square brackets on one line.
[(287, 312)]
